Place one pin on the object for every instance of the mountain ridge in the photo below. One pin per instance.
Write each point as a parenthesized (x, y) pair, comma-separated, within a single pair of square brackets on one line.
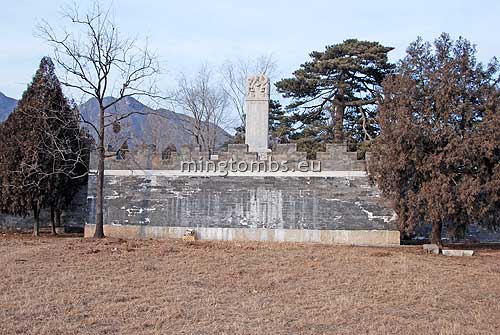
[(161, 127), (7, 105)]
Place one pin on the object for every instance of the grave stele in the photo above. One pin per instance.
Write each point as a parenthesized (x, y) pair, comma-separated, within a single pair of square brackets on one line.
[(257, 114)]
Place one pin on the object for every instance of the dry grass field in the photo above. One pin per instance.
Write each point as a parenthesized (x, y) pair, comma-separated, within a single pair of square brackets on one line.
[(84, 286)]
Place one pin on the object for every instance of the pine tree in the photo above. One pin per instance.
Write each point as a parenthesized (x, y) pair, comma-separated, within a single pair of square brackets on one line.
[(338, 88), (280, 125)]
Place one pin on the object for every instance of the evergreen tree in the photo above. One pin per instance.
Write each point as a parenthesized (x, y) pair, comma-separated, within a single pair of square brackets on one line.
[(239, 136), (280, 125), (312, 137), (10, 156), (45, 155), (438, 156), (338, 88)]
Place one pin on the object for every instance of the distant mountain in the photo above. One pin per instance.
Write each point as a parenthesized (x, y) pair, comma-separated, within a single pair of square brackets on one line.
[(7, 105), (161, 127)]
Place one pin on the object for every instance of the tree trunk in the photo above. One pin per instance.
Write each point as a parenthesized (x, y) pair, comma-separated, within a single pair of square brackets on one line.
[(53, 220), (437, 227), (99, 216), (36, 216), (58, 217), (338, 130)]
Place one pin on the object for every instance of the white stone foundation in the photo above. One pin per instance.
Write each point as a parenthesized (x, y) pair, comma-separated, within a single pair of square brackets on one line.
[(348, 237)]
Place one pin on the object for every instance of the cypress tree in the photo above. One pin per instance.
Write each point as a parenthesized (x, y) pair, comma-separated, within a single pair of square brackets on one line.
[(44, 157), (438, 155)]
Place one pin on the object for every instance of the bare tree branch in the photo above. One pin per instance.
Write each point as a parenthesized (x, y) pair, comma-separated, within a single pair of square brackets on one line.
[(235, 74), (98, 61)]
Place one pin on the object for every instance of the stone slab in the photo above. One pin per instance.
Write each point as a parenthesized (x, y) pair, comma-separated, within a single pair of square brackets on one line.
[(458, 253), (257, 113)]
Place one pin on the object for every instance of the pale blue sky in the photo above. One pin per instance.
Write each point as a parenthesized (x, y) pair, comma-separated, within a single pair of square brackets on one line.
[(188, 33)]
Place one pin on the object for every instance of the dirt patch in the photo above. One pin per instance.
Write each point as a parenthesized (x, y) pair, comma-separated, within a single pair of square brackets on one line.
[(114, 286)]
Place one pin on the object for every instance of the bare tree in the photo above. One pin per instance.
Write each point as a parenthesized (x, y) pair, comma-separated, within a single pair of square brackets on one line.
[(235, 74), (206, 102), (99, 62)]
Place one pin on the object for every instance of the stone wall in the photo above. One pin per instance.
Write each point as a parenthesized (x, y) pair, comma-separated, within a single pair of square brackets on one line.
[(240, 202), (72, 219), (146, 195)]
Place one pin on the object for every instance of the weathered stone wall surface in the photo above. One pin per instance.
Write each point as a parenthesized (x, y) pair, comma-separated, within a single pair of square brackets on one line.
[(244, 202), (73, 217)]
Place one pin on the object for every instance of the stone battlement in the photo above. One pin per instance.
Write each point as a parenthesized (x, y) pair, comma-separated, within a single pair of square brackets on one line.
[(335, 158)]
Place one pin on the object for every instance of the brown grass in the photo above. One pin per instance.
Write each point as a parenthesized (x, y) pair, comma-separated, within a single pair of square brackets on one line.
[(77, 286)]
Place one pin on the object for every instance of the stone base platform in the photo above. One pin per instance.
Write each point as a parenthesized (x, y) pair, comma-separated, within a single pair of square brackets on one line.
[(347, 237)]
